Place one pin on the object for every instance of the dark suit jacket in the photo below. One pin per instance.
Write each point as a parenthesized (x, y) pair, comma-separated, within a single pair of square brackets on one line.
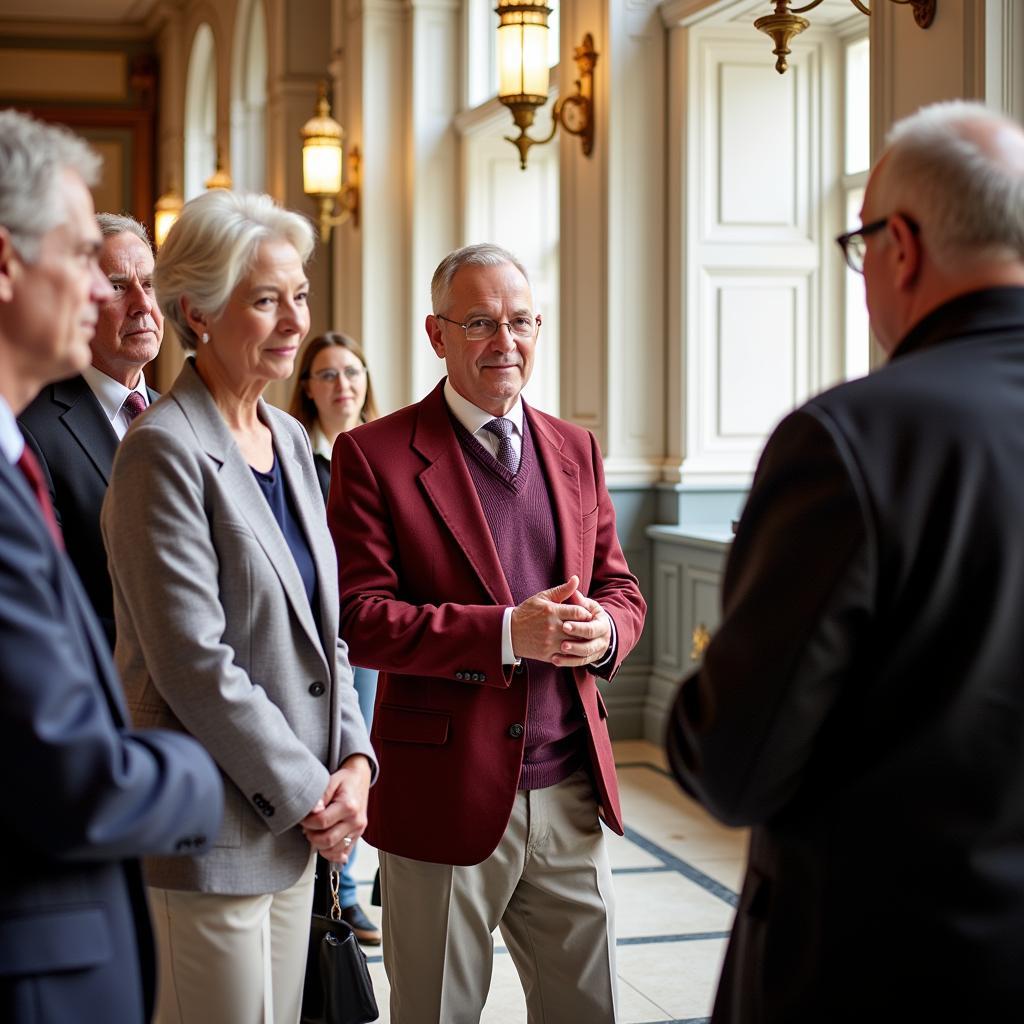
[(323, 473), (71, 436), (862, 704), (423, 595), (84, 795)]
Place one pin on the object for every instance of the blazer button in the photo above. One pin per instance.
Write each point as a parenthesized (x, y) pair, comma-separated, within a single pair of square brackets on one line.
[(515, 731), (520, 668), (460, 676), (317, 689)]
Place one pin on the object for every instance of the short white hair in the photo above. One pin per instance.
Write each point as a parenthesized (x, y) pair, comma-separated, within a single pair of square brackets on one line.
[(952, 165), (32, 157), (112, 224), (483, 254), (211, 247)]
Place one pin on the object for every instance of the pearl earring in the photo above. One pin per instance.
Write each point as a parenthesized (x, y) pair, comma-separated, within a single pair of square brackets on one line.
[(205, 338)]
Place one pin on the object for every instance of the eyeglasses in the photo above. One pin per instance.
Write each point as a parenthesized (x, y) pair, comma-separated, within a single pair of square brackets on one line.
[(482, 328), (854, 243), (351, 373)]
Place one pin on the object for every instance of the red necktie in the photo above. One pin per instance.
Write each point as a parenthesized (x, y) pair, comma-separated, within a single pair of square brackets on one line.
[(34, 475), (133, 405)]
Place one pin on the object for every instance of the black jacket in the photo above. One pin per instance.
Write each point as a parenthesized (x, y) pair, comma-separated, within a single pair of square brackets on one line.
[(71, 436), (862, 705)]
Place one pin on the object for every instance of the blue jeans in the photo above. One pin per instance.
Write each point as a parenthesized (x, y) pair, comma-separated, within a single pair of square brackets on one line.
[(366, 691)]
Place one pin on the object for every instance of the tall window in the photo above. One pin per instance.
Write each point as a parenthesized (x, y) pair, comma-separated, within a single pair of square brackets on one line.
[(249, 99), (856, 162), (503, 204), (200, 112)]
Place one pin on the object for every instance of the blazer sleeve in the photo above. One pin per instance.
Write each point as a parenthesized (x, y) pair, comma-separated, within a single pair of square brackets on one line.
[(796, 601), (385, 631), (166, 575), (612, 585), (87, 788)]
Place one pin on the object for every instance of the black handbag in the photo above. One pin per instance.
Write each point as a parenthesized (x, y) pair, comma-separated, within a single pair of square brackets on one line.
[(337, 989)]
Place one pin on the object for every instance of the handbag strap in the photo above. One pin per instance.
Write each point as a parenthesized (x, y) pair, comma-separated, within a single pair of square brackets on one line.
[(335, 880)]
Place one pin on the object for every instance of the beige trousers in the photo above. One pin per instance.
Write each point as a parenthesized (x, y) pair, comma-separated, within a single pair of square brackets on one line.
[(548, 887), (231, 959)]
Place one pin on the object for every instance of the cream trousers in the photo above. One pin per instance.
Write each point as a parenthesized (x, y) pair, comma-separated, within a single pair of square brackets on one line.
[(231, 959), (547, 886)]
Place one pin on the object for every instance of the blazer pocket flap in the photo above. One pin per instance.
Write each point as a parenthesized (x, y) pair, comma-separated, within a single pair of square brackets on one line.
[(45, 941), (410, 725)]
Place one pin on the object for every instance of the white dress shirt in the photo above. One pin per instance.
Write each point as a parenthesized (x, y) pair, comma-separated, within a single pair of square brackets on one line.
[(111, 395), (12, 443)]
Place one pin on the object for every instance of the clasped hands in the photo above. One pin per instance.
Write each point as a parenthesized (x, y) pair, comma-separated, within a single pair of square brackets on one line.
[(561, 626), (340, 814)]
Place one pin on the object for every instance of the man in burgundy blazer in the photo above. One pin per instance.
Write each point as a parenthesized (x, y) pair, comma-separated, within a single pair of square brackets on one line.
[(481, 573)]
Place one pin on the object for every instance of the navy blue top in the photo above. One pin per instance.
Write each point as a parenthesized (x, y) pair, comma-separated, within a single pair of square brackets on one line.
[(279, 499)]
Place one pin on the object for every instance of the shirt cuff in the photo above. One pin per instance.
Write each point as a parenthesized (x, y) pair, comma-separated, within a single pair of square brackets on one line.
[(609, 656), (507, 657)]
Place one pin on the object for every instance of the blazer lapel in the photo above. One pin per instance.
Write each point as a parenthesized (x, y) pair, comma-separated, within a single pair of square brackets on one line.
[(451, 490), (309, 504), (72, 592), (241, 489), (87, 422), (564, 480)]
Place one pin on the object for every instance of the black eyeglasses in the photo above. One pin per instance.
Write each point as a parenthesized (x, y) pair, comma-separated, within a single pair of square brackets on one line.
[(482, 328), (854, 243)]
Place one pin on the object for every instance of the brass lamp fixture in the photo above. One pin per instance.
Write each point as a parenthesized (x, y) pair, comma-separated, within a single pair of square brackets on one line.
[(322, 139), (523, 76), (166, 212), (220, 177), (786, 23)]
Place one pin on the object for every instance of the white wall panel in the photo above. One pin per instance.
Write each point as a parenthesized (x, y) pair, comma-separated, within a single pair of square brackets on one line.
[(757, 359), (757, 154)]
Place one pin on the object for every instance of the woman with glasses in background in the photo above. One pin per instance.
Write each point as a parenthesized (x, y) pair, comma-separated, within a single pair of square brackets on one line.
[(333, 393)]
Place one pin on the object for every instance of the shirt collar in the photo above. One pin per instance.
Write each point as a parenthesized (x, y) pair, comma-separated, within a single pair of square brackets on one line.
[(111, 393), (473, 418), (318, 439), (12, 443)]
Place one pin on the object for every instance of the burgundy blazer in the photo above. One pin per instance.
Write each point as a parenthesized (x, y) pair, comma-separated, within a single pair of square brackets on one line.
[(423, 595)]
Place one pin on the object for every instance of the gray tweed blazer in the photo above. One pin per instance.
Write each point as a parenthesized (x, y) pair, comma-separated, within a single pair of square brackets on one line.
[(215, 635)]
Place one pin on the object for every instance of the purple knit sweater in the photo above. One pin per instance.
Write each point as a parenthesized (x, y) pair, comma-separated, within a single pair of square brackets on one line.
[(518, 512)]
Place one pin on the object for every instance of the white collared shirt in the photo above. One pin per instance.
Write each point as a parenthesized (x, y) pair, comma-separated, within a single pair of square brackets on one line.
[(321, 446), (474, 419), (111, 395), (12, 443)]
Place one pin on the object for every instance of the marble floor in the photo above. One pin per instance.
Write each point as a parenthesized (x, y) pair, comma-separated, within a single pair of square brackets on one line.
[(677, 873)]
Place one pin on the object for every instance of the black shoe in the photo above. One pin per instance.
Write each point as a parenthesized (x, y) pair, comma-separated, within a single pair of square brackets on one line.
[(365, 930)]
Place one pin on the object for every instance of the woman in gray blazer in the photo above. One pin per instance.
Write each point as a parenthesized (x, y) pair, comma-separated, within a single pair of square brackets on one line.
[(226, 602)]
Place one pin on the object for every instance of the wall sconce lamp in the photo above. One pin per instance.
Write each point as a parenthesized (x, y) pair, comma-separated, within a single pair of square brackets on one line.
[(786, 23), (167, 210), (220, 177), (322, 139), (523, 76)]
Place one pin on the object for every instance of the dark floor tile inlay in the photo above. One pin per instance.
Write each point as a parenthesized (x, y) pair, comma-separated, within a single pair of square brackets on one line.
[(670, 860)]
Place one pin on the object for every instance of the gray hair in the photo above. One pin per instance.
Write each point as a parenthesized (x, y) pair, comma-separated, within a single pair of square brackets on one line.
[(958, 166), (212, 246), (32, 156), (483, 254), (121, 224)]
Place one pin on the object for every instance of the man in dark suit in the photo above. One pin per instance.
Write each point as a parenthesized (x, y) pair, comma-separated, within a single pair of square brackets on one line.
[(85, 794), (481, 573), (862, 704), (74, 425)]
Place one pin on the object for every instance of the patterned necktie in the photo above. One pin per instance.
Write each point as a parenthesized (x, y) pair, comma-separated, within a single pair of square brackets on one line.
[(502, 429), (29, 466), (132, 406)]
